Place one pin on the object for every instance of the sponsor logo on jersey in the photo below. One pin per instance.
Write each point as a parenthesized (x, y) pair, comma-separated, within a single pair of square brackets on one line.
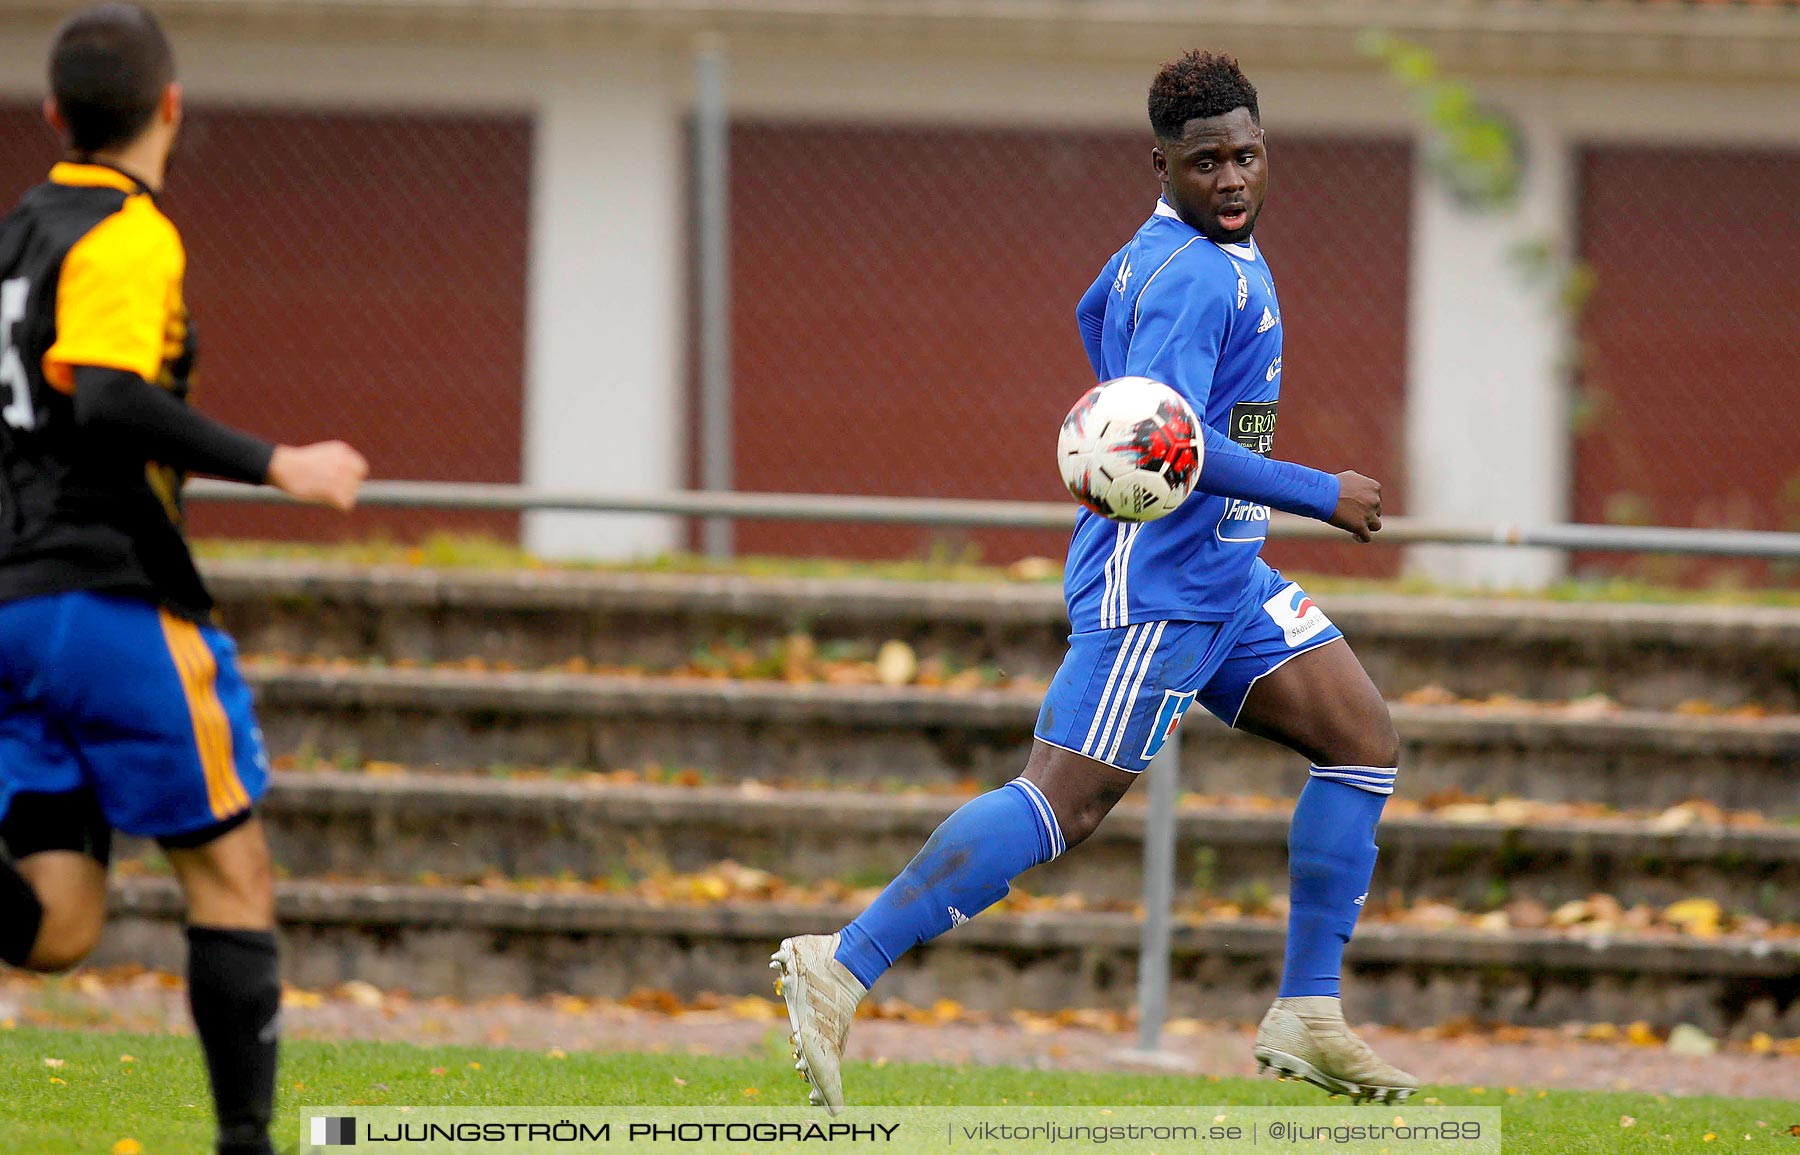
[(1124, 277), (1243, 287), (1253, 425), (957, 917), (1167, 718), (1297, 615), (1244, 521), (1362, 898), (1269, 320), (1274, 370)]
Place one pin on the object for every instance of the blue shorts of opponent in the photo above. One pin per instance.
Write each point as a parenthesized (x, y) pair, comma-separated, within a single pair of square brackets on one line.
[(144, 708)]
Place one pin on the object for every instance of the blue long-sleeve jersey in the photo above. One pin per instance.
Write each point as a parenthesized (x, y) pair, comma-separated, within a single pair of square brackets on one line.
[(1202, 318)]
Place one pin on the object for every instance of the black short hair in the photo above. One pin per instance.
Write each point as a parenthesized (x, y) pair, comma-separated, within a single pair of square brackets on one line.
[(109, 65), (1198, 85)]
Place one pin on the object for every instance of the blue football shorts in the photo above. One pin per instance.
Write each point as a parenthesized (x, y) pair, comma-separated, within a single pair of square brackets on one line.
[(1120, 693), (145, 708)]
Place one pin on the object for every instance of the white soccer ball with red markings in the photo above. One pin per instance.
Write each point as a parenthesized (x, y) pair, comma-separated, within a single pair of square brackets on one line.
[(1130, 449)]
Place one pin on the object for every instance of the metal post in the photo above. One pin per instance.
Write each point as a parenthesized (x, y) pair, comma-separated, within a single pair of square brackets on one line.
[(1159, 894), (712, 248)]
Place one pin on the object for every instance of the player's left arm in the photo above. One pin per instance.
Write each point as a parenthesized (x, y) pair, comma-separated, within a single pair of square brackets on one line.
[(122, 406), (114, 294), (1179, 331)]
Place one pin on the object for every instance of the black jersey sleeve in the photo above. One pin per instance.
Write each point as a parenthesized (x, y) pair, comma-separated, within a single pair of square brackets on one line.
[(123, 405)]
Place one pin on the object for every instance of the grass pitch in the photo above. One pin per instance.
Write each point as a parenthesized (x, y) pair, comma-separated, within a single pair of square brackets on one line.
[(72, 1091)]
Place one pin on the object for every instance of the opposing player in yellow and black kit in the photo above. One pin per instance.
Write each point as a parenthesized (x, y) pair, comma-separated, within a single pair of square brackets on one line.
[(121, 706)]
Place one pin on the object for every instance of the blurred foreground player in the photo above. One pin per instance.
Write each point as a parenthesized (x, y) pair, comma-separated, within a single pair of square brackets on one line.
[(121, 705), (1170, 612)]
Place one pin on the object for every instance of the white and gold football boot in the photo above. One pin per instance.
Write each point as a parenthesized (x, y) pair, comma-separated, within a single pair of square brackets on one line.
[(821, 997), (1307, 1038)]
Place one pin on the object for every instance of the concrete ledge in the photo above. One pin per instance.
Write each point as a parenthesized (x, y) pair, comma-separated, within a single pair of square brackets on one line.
[(449, 827), (874, 706), (478, 944), (462, 721), (645, 593), (1647, 656), (848, 813), (670, 698), (1401, 616), (324, 903)]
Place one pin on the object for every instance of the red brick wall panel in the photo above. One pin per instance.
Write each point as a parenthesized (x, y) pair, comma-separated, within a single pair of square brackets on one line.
[(353, 275), (904, 303), (1689, 380)]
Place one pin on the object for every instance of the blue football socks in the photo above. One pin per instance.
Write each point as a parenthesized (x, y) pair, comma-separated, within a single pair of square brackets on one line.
[(965, 868), (1331, 859)]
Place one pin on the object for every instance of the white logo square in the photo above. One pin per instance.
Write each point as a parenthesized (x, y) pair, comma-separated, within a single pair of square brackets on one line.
[(1297, 615)]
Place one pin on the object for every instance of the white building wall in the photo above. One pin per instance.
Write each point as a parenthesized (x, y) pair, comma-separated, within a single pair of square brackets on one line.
[(604, 372), (1488, 435), (1491, 345)]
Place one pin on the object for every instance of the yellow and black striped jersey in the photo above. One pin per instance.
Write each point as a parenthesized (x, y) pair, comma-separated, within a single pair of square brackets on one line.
[(90, 275)]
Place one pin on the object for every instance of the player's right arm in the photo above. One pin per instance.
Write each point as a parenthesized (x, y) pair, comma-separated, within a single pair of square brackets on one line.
[(113, 298), (1179, 329), (1358, 509), (1090, 314)]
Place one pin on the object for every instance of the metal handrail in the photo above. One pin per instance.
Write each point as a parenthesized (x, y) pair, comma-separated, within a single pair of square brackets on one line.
[(971, 514)]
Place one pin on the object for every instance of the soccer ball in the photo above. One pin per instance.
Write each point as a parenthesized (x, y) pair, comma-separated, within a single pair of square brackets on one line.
[(1130, 449)]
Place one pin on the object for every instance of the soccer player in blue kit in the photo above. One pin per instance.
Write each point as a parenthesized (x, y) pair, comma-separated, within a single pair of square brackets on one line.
[(1169, 613)]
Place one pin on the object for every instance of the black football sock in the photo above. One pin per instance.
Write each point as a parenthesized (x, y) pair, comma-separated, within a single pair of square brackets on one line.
[(234, 991), (21, 914)]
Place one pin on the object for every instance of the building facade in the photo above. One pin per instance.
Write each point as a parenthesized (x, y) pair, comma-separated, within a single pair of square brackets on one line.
[(460, 233)]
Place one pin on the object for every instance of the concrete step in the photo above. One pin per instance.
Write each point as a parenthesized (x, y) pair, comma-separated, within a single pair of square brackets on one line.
[(470, 943), (456, 720), (1644, 655), (324, 823)]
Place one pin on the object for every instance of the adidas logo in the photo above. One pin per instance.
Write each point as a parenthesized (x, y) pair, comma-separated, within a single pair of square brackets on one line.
[(1360, 899), (957, 917), (1269, 321)]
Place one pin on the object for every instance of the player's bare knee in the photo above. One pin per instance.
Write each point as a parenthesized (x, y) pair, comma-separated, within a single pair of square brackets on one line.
[(65, 939), (229, 881), (1369, 740), (51, 959), (1080, 790), (1384, 742), (254, 890), (242, 894), (1084, 820), (55, 958)]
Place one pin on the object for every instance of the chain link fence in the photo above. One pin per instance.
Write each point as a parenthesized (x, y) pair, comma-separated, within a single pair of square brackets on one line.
[(1687, 394), (904, 313), (353, 275)]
